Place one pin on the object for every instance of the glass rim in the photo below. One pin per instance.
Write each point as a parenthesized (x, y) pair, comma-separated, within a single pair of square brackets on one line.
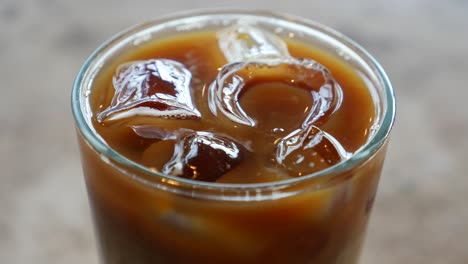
[(366, 151)]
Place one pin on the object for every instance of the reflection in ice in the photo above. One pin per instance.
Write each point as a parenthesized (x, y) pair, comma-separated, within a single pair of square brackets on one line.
[(203, 156), (253, 54), (304, 151), (224, 92), (156, 87), (243, 42)]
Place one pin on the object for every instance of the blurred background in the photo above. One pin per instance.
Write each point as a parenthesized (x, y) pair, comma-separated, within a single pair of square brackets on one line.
[(421, 213)]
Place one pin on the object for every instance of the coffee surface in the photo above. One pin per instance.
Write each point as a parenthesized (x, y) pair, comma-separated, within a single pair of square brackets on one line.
[(172, 124)]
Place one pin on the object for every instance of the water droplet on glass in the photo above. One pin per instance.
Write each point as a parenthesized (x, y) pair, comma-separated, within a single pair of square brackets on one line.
[(279, 30), (87, 92)]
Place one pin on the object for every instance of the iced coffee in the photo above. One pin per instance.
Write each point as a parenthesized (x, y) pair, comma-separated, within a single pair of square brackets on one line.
[(231, 138)]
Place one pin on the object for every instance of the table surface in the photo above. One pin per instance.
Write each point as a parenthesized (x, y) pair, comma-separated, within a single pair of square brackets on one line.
[(420, 215)]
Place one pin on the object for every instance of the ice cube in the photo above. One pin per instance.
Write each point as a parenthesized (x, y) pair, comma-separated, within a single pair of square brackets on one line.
[(155, 87), (224, 94), (225, 90), (326, 92), (305, 151), (204, 156), (244, 42)]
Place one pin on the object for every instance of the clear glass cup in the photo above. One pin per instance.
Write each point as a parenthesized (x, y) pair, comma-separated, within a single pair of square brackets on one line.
[(142, 216)]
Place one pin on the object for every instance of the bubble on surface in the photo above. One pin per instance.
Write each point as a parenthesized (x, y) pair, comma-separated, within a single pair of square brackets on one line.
[(156, 87)]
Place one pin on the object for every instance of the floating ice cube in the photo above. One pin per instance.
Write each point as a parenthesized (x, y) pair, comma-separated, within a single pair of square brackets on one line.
[(203, 156), (196, 155), (243, 42), (304, 151), (156, 87), (252, 54), (225, 90), (224, 94)]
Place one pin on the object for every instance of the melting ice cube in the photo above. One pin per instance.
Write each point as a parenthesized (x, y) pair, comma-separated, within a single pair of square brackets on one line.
[(304, 151), (204, 156), (156, 87), (224, 94), (249, 49), (243, 42), (225, 90)]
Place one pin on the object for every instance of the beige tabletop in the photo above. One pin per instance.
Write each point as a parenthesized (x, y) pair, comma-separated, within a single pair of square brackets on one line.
[(421, 213)]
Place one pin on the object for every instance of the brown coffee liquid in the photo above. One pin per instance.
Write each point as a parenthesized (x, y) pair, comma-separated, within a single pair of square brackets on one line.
[(278, 104), (319, 220)]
